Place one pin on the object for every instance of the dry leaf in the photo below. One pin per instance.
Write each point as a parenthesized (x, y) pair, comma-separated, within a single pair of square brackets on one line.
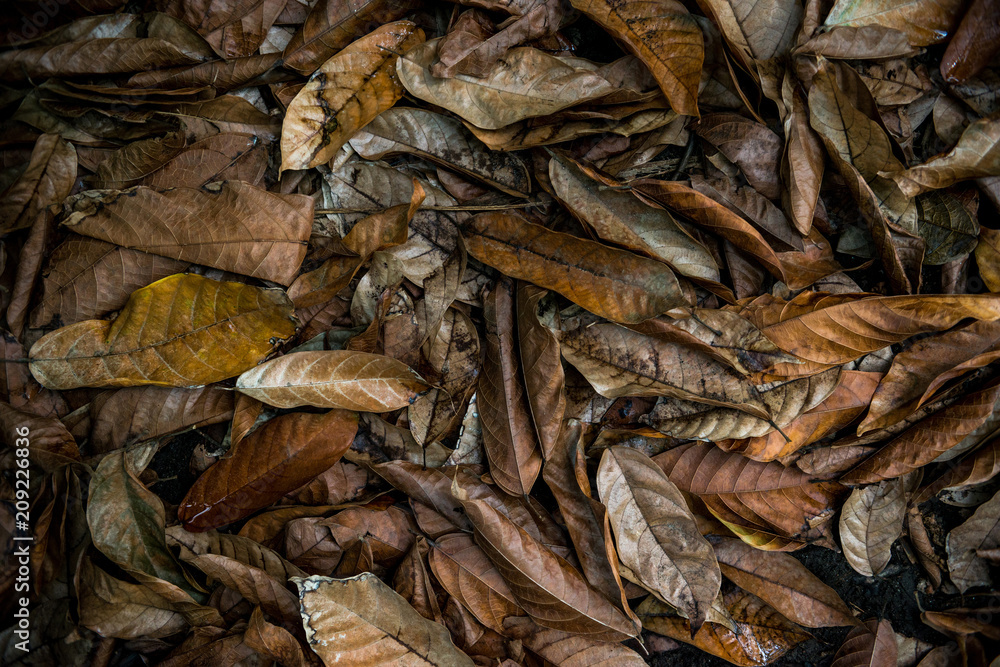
[(443, 140), (330, 26), (153, 338), (344, 95), (384, 629), (871, 645), (870, 521), (232, 225), (333, 379), (750, 495), (664, 36), (923, 22), (980, 532), (609, 282), (783, 582), (509, 436), (275, 459), (48, 179), (976, 154), (657, 538), (546, 586)]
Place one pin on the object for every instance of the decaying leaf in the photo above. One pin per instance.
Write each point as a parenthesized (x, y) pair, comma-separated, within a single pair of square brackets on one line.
[(385, 629), (979, 533), (870, 521), (153, 338), (609, 282), (657, 538), (664, 36), (231, 225), (344, 95)]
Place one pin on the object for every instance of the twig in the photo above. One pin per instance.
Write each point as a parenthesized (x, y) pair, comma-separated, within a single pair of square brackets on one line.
[(482, 207)]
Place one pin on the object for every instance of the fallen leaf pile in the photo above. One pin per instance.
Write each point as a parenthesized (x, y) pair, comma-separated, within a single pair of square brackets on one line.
[(502, 333)]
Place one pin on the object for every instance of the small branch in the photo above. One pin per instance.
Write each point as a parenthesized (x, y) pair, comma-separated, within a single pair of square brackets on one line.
[(482, 207)]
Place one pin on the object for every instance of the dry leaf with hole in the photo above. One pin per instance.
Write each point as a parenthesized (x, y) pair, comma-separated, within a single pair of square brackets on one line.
[(344, 95)]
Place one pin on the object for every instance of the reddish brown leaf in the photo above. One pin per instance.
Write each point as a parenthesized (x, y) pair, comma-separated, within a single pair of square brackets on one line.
[(273, 460)]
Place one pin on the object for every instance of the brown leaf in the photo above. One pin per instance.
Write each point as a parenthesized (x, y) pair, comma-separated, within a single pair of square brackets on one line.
[(751, 145), (870, 645), (720, 334), (232, 29), (542, 368), (835, 329), (783, 582), (620, 218), (664, 36), (568, 650), (220, 74), (964, 422), (947, 227), (803, 165), (840, 408), (586, 519), (114, 608), (165, 42), (443, 140), (758, 30), (221, 157), (972, 48), (753, 206), (870, 41), (333, 379), (473, 44), (429, 486), (332, 25), (713, 216), (976, 154), (988, 257), (508, 431), (981, 531), (151, 340), (48, 179), (273, 641), (752, 495), (382, 629), (607, 355), (50, 444), (527, 83), (231, 226), (86, 278), (844, 126), (870, 521), (277, 458), (657, 538), (979, 465), (467, 574), (127, 520), (125, 416), (553, 593), (254, 584), (609, 282), (236, 547), (923, 22), (344, 95), (763, 635), (919, 371)]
